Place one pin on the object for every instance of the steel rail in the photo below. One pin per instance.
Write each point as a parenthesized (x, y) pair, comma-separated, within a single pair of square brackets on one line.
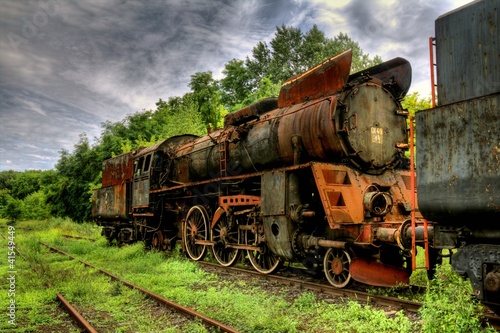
[(156, 297), (75, 314), (72, 311), (77, 237), (327, 289)]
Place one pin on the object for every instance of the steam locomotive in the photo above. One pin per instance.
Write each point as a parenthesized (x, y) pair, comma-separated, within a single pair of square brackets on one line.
[(316, 176), (458, 155)]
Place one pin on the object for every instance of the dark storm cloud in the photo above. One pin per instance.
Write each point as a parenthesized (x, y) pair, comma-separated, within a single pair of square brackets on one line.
[(398, 29), (379, 23), (67, 66)]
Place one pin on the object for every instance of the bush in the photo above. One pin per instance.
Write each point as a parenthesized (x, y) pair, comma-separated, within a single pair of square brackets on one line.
[(13, 210), (35, 207), (449, 305)]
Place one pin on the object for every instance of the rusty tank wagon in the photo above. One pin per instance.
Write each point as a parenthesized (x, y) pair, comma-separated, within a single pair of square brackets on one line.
[(316, 176), (458, 156)]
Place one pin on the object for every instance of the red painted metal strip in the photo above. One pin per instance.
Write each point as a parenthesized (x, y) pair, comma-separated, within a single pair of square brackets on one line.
[(325, 79)]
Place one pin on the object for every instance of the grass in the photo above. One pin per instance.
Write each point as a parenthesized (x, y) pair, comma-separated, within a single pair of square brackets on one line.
[(244, 306)]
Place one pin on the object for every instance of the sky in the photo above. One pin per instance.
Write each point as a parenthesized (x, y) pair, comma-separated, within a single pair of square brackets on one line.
[(68, 66)]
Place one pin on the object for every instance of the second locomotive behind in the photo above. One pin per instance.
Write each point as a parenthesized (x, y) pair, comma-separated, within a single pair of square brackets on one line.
[(317, 175)]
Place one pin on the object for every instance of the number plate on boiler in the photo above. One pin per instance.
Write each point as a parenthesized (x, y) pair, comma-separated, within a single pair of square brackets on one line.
[(377, 134)]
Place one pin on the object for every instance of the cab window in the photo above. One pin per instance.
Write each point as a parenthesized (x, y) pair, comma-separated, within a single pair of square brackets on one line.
[(147, 163)]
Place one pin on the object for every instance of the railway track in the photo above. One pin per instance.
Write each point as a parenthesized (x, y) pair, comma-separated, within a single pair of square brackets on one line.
[(80, 238), (325, 289), (360, 296), (65, 304), (177, 307)]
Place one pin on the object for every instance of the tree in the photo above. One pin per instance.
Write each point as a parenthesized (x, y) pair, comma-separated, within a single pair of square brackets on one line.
[(13, 210), (35, 207), (178, 116), (413, 103), (360, 60), (291, 52), (236, 85), (25, 183), (70, 196), (286, 53), (206, 93), (314, 48), (7, 179), (258, 65), (265, 89)]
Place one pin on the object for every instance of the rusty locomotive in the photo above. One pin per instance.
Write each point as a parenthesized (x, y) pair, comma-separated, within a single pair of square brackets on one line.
[(317, 176), (458, 155)]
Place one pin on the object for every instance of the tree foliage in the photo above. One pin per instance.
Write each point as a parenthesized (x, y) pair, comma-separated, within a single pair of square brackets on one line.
[(413, 102), (14, 210), (205, 91), (292, 52)]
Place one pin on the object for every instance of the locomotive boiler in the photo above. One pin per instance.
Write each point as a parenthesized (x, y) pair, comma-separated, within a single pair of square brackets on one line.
[(459, 146), (316, 176)]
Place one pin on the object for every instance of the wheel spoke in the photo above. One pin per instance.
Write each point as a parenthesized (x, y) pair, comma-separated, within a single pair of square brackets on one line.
[(336, 266), (195, 228), (264, 263), (221, 236)]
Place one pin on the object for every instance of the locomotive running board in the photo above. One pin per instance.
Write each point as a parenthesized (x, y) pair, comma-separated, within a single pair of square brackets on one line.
[(377, 274)]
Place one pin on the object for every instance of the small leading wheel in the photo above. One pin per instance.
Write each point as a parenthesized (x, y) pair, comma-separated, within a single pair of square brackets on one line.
[(157, 242), (196, 228), (222, 236), (336, 265)]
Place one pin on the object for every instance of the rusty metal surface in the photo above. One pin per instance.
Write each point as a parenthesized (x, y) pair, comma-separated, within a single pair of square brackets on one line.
[(343, 190), (277, 226), (363, 129), (273, 195), (116, 170), (370, 127), (238, 201), (377, 274), (467, 52), (325, 79), (168, 144), (458, 161), (110, 202), (341, 199), (140, 194), (251, 112), (75, 314), (309, 129), (395, 74)]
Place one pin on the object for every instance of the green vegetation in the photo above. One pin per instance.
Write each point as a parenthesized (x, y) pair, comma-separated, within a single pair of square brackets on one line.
[(246, 305), (449, 305)]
